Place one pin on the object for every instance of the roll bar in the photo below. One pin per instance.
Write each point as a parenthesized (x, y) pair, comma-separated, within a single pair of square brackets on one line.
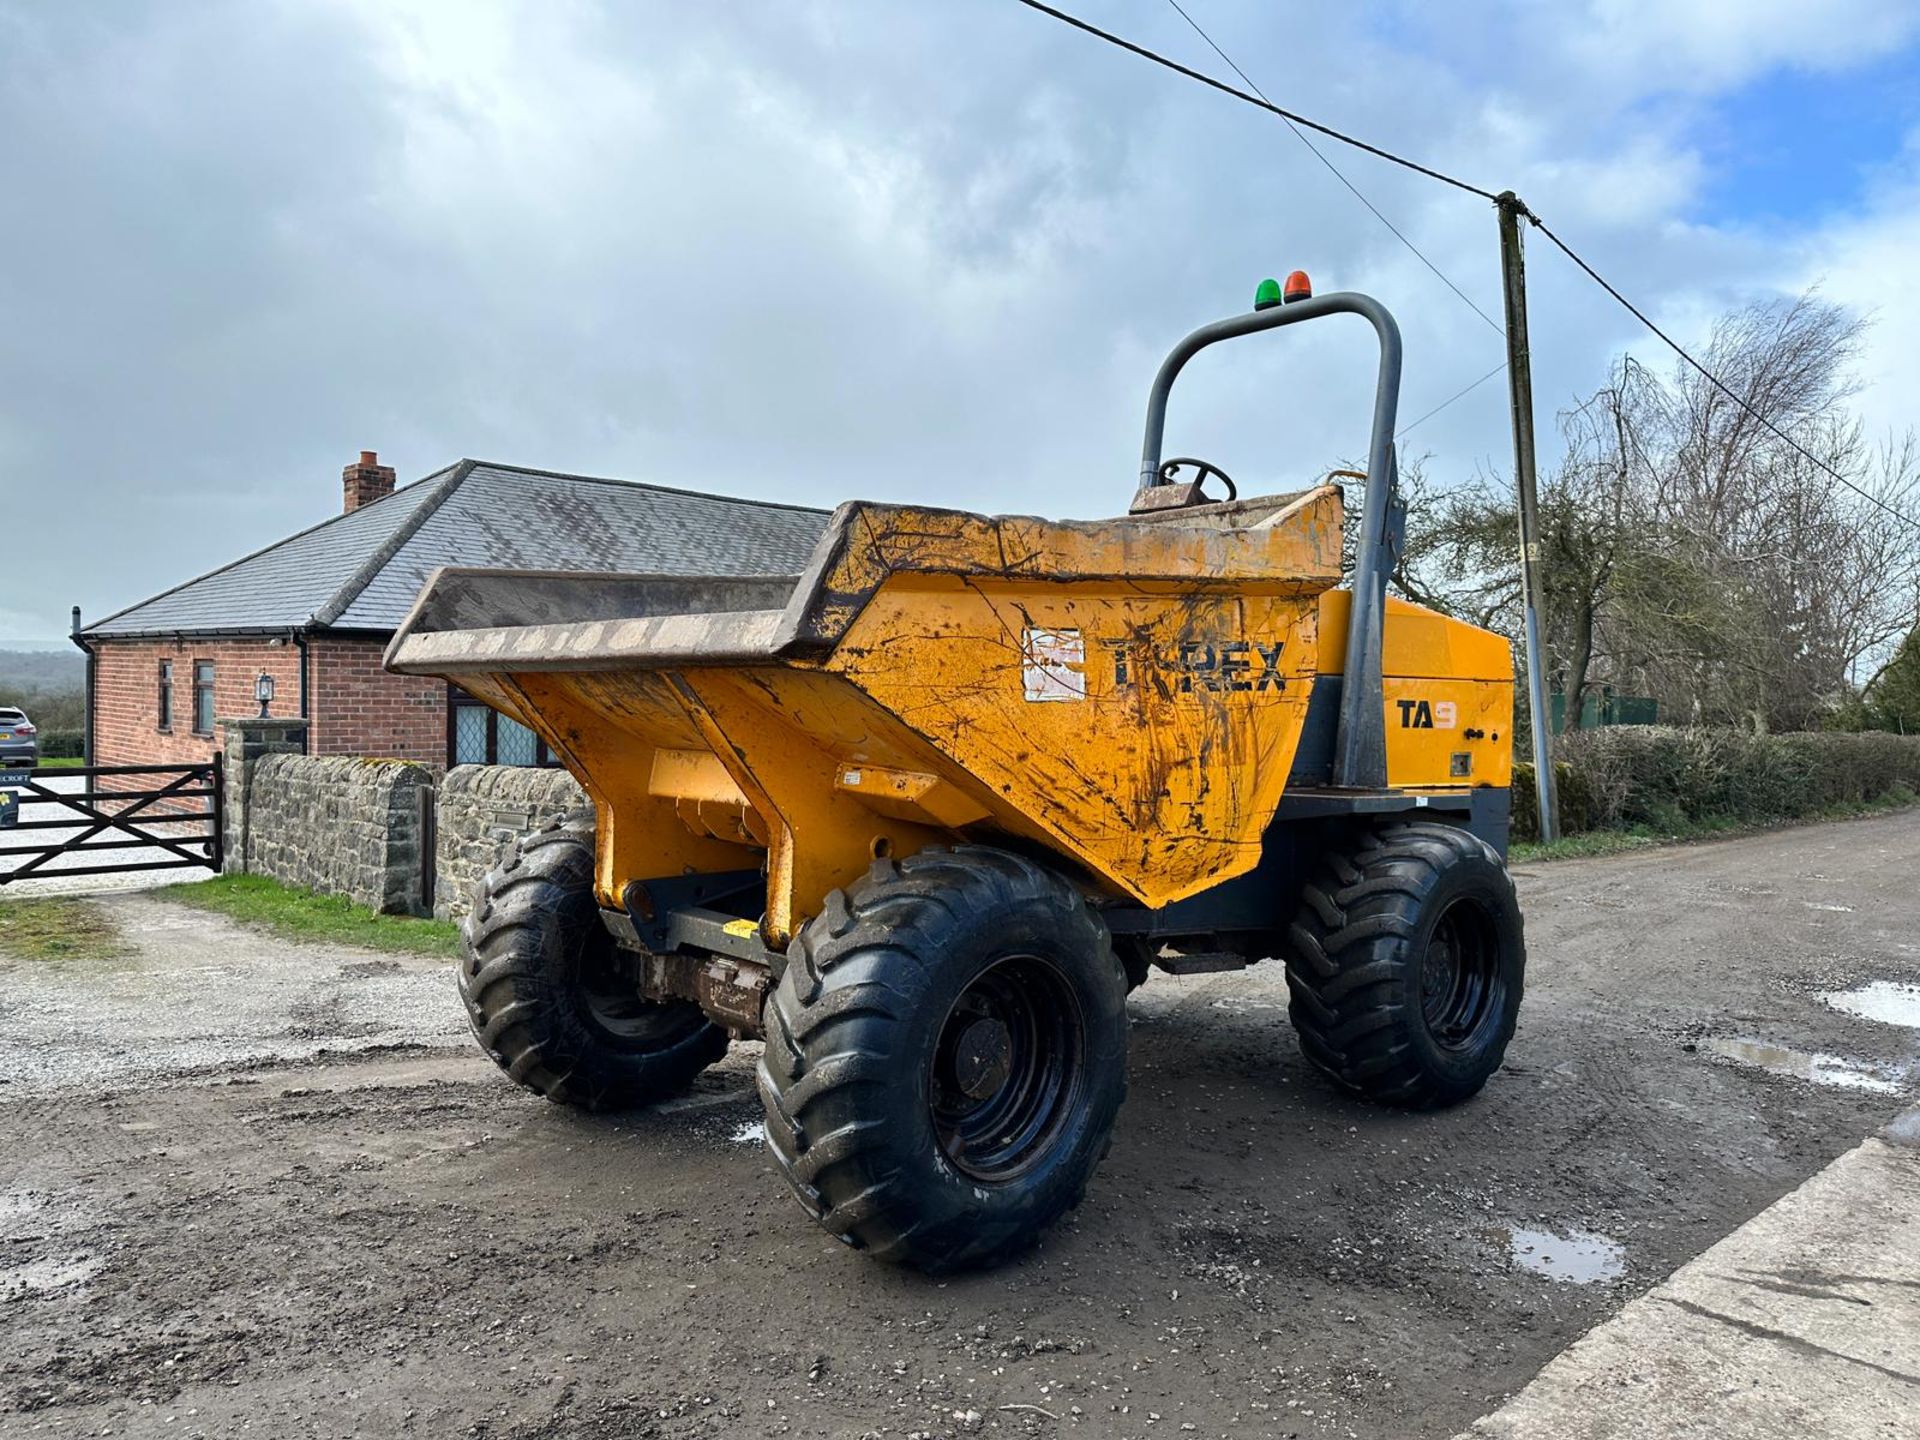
[(1360, 744)]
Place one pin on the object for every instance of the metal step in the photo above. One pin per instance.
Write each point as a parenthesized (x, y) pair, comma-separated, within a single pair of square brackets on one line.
[(1205, 962)]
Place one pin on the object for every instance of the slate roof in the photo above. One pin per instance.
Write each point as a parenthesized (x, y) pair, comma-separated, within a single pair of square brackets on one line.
[(362, 571)]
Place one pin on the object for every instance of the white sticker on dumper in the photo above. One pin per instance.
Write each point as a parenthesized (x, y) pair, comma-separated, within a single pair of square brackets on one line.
[(1055, 664)]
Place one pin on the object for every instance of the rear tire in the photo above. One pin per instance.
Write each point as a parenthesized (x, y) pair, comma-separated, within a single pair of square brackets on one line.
[(1136, 959), (1406, 964), (945, 1056), (545, 993)]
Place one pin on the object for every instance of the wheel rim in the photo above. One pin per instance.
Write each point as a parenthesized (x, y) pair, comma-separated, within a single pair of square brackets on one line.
[(1006, 1069), (612, 1003), (1460, 983)]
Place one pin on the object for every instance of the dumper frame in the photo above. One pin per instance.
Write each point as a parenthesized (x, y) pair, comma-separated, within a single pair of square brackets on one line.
[(922, 815)]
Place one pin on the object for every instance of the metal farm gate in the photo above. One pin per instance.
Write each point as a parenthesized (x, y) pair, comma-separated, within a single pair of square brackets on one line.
[(114, 819)]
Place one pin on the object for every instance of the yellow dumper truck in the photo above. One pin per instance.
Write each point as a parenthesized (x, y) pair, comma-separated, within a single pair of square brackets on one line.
[(920, 817)]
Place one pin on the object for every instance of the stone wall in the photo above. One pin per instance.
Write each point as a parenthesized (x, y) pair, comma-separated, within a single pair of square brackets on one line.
[(483, 809), (247, 742), (383, 833), (341, 826)]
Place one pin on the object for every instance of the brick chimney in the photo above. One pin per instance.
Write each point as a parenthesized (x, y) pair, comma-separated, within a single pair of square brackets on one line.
[(366, 481)]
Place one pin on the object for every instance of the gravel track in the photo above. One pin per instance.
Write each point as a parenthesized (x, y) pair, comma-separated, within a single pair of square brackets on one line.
[(214, 1220)]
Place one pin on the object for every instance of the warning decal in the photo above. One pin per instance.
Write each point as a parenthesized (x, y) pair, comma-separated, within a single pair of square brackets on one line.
[(1055, 664)]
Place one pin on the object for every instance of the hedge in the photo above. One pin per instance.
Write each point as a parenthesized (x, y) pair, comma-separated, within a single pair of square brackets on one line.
[(61, 745), (1619, 777)]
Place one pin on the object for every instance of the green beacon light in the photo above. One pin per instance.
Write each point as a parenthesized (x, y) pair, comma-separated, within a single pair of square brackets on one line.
[(1267, 295)]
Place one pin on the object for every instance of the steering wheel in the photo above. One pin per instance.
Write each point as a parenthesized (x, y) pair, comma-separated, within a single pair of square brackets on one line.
[(1202, 469)]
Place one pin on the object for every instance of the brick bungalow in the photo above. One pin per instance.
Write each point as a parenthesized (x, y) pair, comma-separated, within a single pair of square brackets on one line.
[(316, 610)]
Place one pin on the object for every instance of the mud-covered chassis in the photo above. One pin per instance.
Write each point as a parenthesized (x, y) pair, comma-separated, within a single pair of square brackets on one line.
[(921, 816)]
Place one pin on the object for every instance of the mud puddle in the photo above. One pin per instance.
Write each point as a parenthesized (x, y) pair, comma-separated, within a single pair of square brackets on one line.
[(28, 1223), (1820, 1069), (1579, 1257), (1890, 1002), (49, 1273)]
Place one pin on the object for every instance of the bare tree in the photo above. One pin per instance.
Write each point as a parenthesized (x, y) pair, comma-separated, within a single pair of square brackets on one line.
[(1692, 553)]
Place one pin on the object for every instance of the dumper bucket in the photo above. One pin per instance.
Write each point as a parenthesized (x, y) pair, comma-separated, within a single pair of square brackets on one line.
[(1125, 695), (1164, 738)]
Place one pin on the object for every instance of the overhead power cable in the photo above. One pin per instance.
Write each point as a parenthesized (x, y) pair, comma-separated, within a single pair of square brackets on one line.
[(1260, 102), (1256, 101), (1459, 394), (1319, 155), (1711, 378)]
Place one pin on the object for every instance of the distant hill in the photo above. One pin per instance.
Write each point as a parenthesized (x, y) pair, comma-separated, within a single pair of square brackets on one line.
[(47, 672), (50, 686)]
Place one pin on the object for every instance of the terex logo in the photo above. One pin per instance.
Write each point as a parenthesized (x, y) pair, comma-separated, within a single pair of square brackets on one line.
[(1229, 665), (1420, 715)]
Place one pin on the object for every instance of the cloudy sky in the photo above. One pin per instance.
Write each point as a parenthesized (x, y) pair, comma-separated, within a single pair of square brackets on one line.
[(811, 250)]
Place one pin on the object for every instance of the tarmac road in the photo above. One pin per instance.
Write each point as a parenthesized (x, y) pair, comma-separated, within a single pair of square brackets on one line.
[(291, 1240)]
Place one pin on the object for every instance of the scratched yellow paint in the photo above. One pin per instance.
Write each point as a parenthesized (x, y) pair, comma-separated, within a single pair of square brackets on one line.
[(1156, 773), (1296, 550), (606, 727), (1130, 694)]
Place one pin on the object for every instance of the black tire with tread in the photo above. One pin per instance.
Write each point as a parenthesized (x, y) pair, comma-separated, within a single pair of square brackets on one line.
[(852, 1028), (534, 925), (1136, 959), (1354, 962)]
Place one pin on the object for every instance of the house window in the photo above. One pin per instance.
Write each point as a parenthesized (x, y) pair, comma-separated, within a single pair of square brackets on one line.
[(203, 697), (481, 735), (166, 696)]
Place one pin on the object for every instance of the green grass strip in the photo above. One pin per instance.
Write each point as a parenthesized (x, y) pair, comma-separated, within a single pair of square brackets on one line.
[(55, 929), (321, 919), (1588, 843)]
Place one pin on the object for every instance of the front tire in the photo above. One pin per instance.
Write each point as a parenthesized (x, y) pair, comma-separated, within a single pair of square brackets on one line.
[(547, 997), (1406, 965), (945, 1056)]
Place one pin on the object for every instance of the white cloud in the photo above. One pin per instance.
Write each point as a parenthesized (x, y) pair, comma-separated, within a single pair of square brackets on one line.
[(808, 251), (1867, 261), (1705, 45)]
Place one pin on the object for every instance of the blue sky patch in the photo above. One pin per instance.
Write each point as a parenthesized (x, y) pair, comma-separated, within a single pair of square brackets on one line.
[(1796, 146)]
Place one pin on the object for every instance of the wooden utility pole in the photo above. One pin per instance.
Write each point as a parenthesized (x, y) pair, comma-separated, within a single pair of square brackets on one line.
[(1513, 271)]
